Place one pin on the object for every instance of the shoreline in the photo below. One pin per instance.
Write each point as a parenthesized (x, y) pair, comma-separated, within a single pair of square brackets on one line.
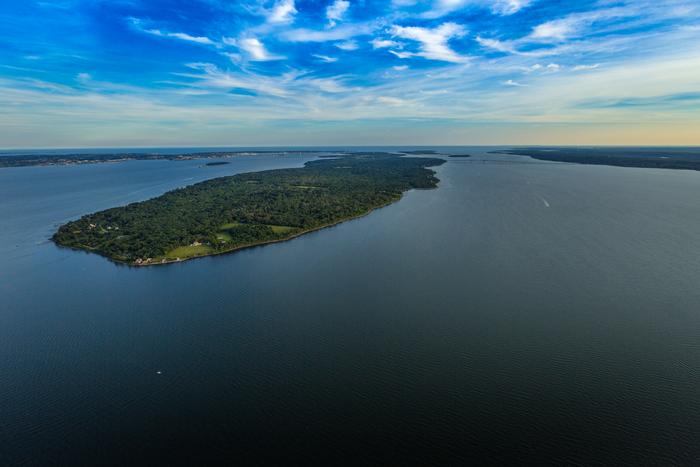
[(253, 245), (240, 247), (63, 160), (233, 250), (429, 181)]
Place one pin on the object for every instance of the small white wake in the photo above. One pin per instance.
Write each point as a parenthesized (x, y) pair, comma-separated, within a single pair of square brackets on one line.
[(544, 201)]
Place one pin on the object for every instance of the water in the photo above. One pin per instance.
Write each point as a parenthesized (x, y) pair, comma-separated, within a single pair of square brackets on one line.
[(524, 311)]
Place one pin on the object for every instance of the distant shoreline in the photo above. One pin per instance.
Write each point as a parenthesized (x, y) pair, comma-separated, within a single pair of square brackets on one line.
[(43, 160), (678, 158), (262, 243)]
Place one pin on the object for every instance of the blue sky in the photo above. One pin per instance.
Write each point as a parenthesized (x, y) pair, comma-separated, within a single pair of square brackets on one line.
[(88, 73)]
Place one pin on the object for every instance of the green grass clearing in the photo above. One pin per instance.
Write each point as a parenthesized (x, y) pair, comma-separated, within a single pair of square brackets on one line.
[(281, 229), (188, 252), (223, 236)]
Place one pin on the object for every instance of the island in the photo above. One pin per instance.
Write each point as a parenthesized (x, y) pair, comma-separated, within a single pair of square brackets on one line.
[(648, 157), (215, 163), (459, 155), (419, 152), (225, 214)]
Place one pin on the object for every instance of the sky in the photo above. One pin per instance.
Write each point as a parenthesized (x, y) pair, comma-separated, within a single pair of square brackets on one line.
[(131, 73)]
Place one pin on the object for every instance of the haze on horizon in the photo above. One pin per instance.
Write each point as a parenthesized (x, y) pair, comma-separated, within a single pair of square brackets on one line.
[(89, 73)]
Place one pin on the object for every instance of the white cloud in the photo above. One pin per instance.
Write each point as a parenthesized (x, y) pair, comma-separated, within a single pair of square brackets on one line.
[(330, 85), (137, 23), (336, 11), (510, 82), (326, 58), (557, 30), (282, 12), (403, 3), (400, 67), (255, 49), (509, 7), (347, 45), (187, 37), (384, 43), (586, 67), (402, 54), (339, 33), (213, 77), (441, 8), (235, 58), (495, 44), (577, 23), (387, 100), (433, 42)]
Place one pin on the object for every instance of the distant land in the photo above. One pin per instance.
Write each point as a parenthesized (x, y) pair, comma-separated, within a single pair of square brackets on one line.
[(654, 158), (230, 213), (28, 160), (71, 159), (420, 152), (460, 155)]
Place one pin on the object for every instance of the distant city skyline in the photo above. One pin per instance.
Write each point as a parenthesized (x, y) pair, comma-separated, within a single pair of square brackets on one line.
[(139, 73)]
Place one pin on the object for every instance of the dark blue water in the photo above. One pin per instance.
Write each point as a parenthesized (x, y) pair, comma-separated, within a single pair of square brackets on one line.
[(524, 311)]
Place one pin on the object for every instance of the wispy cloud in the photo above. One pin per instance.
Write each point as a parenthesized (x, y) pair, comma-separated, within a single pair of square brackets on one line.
[(510, 7), (441, 8), (433, 42), (348, 45), (326, 58), (384, 43), (586, 67), (336, 11), (138, 24), (338, 33), (254, 48), (282, 12)]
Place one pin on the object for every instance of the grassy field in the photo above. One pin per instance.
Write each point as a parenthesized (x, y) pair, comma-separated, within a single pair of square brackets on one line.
[(193, 251), (281, 229), (189, 251), (224, 237)]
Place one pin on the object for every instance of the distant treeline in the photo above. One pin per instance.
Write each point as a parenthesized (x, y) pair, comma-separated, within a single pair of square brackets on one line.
[(657, 158), (228, 213), (24, 160)]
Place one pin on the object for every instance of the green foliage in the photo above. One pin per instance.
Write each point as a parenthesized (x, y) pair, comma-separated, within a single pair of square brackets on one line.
[(227, 213)]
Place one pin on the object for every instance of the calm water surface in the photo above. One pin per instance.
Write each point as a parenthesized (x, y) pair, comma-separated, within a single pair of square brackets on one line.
[(524, 311)]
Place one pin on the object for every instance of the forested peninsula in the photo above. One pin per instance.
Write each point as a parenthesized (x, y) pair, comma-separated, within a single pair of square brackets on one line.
[(229, 213), (678, 158)]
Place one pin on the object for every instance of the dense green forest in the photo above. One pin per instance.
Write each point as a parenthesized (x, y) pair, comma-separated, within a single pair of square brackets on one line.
[(229, 213)]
